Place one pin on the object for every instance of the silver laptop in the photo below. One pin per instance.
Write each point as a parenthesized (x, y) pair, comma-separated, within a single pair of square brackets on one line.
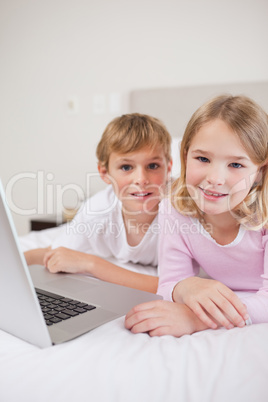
[(46, 309)]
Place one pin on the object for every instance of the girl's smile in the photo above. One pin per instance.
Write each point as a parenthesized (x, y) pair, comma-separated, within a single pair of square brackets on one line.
[(212, 195)]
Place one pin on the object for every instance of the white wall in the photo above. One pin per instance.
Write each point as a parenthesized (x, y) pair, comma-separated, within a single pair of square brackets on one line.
[(84, 51)]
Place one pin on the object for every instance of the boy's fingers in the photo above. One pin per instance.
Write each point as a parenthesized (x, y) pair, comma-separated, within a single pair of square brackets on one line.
[(47, 257), (143, 306), (136, 321), (140, 313)]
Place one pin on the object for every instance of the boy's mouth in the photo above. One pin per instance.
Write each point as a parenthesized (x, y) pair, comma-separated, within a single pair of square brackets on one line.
[(140, 195)]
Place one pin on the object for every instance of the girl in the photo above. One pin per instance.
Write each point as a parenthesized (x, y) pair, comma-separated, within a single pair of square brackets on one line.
[(216, 219)]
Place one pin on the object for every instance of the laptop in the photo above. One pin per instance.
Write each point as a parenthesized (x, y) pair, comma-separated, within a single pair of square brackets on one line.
[(45, 309)]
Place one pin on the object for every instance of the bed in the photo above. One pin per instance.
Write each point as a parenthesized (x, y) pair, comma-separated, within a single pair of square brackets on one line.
[(110, 363)]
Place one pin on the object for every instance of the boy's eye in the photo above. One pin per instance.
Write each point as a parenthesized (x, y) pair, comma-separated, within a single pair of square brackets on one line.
[(153, 166), (203, 159), (236, 165), (126, 168)]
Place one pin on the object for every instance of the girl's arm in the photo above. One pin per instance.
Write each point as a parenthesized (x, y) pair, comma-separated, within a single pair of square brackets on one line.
[(212, 302), (257, 302), (63, 259)]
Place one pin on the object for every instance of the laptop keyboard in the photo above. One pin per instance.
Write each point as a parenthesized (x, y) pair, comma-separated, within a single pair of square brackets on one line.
[(57, 308)]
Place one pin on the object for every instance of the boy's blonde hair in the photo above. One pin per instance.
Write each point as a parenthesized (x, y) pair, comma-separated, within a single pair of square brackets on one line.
[(250, 123), (130, 133)]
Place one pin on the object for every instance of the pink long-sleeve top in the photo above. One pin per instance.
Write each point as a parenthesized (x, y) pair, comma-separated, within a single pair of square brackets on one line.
[(185, 246)]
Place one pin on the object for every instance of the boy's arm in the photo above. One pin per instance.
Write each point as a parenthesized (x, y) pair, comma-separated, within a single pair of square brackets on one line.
[(63, 259), (35, 256)]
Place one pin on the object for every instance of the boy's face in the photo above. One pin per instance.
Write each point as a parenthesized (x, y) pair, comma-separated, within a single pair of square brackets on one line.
[(138, 179)]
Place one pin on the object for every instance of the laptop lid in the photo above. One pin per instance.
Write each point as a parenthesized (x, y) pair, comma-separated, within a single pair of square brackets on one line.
[(20, 312)]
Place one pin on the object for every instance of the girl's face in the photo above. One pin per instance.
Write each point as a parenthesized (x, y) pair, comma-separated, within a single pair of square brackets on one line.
[(219, 172)]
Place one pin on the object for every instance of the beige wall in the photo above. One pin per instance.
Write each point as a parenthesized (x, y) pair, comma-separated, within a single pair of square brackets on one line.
[(67, 68)]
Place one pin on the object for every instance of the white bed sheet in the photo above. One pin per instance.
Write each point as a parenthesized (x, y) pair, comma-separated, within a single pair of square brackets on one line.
[(111, 364)]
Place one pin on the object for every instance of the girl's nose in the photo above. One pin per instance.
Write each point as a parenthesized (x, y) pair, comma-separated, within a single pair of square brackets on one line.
[(216, 176)]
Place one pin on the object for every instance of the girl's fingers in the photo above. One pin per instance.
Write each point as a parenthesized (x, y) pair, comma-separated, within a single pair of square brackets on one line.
[(203, 316), (218, 310), (218, 313), (238, 312)]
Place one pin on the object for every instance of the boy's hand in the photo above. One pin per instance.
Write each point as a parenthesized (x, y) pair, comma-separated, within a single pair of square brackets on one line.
[(36, 256), (63, 259), (212, 302), (162, 317)]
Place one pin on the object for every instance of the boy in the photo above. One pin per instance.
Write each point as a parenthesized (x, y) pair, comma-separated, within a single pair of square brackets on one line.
[(121, 221)]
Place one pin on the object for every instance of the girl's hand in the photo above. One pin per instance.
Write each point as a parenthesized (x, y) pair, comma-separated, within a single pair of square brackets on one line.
[(63, 259), (212, 302), (162, 317)]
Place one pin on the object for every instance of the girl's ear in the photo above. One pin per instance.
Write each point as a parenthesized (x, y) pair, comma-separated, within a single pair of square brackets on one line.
[(260, 173), (104, 173)]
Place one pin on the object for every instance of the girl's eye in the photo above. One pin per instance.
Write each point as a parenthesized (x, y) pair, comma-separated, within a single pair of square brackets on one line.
[(203, 159), (126, 168), (236, 165), (153, 166)]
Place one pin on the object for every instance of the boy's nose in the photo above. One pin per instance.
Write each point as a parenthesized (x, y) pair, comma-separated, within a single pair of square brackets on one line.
[(141, 177)]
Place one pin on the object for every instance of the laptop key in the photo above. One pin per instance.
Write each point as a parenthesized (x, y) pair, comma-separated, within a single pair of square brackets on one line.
[(80, 310), (55, 320), (52, 306), (89, 307), (62, 316), (72, 313), (81, 305), (44, 303), (48, 316), (45, 310), (63, 304)]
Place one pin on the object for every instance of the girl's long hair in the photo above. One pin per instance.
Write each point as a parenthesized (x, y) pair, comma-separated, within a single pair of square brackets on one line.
[(250, 123)]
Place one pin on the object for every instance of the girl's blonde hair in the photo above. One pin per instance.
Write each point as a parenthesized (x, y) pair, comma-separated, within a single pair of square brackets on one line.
[(250, 123), (130, 133)]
